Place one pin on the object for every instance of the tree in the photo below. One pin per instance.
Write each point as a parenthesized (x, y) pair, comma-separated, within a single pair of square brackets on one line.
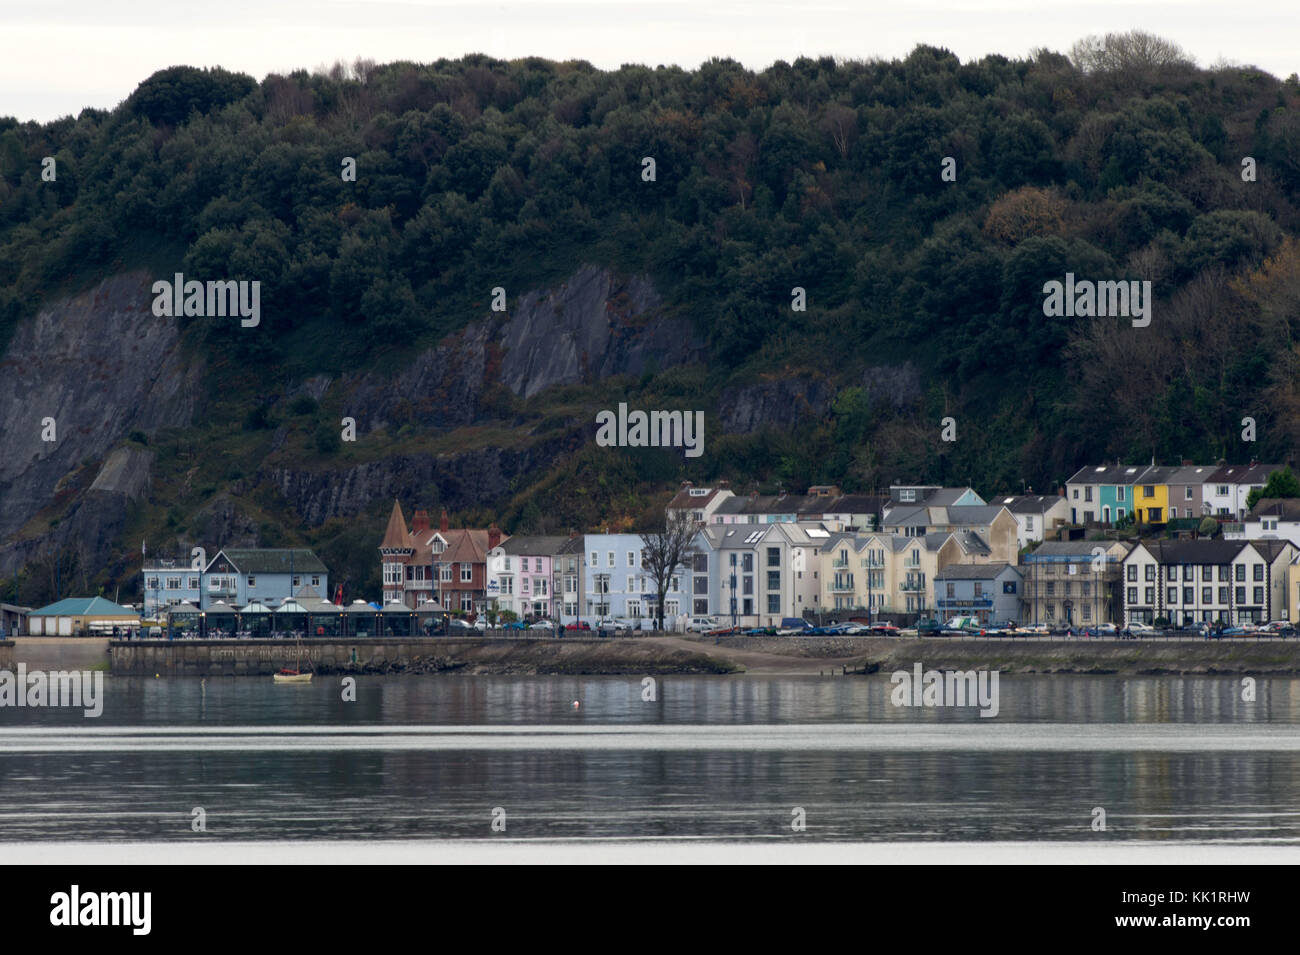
[(664, 553), (1281, 483)]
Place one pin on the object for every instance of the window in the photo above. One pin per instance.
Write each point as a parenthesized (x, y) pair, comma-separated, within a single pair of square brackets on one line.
[(908, 496), (507, 564), (1150, 572), (1087, 493), (773, 603), (747, 563), (1259, 572), (611, 558), (1150, 595), (1132, 595), (466, 573), (1148, 490), (1029, 523), (1119, 496), (773, 580), (1119, 513), (444, 573), (1050, 588), (537, 565), (1076, 494), (1240, 571), (1132, 572), (252, 580), (979, 589), (151, 583), (631, 558), (701, 585), (1259, 595), (595, 559), (1171, 595), (410, 572), (700, 563), (1189, 572), (1085, 588), (747, 584), (1187, 496), (774, 557), (193, 583), (1223, 572), (1189, 595), (1221, 490), (296, 582), (467, 602), (1207, 595), (507, 585), (1240, 595), (1087, 611), (733, 559), (173, 583), (1223, 595), (952, 590)]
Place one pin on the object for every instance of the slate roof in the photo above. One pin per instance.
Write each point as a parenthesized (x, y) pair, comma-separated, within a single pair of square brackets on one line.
[(1286, 508), (533, 545), (989, 571), (274, 560)]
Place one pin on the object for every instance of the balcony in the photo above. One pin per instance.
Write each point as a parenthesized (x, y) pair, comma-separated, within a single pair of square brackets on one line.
[(912, 586), (842, 585), (839, 564)]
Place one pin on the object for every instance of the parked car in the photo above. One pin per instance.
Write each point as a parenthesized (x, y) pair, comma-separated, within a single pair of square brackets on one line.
[(515, 625), (702, 624), (481, 624), (458, 625), (542, 625), (793, 626), (578, 625)]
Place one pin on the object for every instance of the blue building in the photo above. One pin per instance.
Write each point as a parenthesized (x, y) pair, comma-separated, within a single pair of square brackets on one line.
[(615, 584), (989, 592), (236, 576)]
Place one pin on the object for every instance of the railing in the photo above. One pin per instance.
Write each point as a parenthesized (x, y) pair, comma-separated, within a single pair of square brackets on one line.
[(842, 586), (912, 586)]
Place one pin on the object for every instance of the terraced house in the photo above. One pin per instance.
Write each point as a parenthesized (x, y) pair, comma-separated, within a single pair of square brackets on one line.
[(1207, 581), (1102, 494), (892, 573)]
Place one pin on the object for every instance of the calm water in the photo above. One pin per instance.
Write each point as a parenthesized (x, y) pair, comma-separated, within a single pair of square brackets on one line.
[(1169, 759)]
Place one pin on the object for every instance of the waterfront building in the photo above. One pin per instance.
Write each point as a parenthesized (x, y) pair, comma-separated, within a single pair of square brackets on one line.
[(989, 592), (445, 565), (78, 615), (1073, 583), (1207, 581)]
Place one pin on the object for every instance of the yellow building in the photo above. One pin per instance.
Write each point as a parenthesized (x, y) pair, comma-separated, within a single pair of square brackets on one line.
[(77, 615), (1151, 495)]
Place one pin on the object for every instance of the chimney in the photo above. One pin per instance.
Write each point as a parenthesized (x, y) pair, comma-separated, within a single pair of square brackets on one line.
[(494, 536), (687, 485), (572, 533), (1186, 463), (442, 525), (420, 522)]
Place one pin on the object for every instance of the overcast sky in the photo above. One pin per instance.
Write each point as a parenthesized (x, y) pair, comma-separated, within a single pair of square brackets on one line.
[(58, 56)]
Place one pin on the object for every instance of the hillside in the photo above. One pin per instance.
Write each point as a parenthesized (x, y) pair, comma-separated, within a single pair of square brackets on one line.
[(923, 293)]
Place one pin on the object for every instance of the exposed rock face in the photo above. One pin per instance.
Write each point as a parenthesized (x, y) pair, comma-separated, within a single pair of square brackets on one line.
[(594, 326), (768, 404), (440, 389), (101, 365), (900, 386), (454, 481)]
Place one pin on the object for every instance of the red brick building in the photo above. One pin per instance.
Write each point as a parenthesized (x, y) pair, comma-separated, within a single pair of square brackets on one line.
[(441, 564)]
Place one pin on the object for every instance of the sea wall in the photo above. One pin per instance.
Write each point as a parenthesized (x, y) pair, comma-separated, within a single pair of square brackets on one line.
[(568, 655)]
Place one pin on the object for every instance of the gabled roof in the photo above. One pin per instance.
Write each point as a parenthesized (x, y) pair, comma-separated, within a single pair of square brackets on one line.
[(1270, 548), (278, 560), (855, 504), (1199, 551), (1157, 474), (989, 571), (684, 500), (1286, 508), (1195, 474), (466, 546), (84, 607), (732, 505), (1029, 503)]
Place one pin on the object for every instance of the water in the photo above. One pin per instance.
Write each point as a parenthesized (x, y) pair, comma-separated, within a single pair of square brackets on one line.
[(1171, 761)]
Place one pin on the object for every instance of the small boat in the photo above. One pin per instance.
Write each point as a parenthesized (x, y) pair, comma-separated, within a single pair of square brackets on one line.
[(296, 675), (291, 676)]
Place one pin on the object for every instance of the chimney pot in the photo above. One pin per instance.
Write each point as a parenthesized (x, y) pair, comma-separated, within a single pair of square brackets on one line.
[(442, 524)]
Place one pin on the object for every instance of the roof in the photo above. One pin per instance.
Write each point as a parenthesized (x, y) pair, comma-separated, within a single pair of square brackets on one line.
[(1109, 474), (1243, 474), (533, 545), (1081, 549), (732, 505), (1196, 474), (854, 504), (1199, 551), (1270, 548), (1287, 508), (689, 498), (987, 571), (280, 560), (1029, 503), (396, 536), (84, 607), (466, 546), (573, 545)]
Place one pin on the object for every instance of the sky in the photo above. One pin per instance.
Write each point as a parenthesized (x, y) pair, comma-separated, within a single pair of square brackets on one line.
[(59, 56)]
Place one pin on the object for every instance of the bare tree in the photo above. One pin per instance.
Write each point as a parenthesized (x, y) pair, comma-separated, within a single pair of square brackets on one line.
[(1136, 53), (665, 552)]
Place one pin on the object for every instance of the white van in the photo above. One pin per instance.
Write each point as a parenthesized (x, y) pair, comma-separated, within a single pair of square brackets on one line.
[(702, 624)]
